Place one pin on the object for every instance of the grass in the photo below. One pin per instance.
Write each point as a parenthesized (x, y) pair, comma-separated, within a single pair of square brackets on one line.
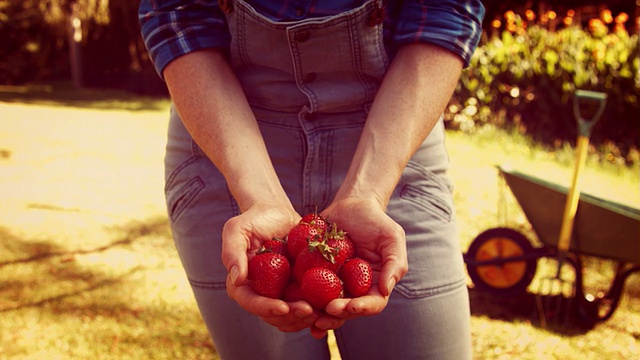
[(88, 269), (508, 328)]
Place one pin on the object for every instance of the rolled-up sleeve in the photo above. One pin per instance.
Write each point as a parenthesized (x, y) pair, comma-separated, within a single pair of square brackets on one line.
[(453, 24), (172, 28)]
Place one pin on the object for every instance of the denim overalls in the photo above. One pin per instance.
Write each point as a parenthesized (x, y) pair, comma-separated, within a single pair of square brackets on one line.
[(310, 84)]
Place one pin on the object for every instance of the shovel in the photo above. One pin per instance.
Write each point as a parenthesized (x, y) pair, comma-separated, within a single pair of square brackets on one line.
[(557, 287)]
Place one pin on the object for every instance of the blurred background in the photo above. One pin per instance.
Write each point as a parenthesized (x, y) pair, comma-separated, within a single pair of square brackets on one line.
[(88, 269), (533, 56)]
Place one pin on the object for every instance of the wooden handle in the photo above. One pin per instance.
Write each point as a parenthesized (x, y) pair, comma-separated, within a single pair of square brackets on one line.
[(573, 196)]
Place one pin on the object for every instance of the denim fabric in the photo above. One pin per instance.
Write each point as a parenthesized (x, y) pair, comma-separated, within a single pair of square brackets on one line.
[(311, 129)]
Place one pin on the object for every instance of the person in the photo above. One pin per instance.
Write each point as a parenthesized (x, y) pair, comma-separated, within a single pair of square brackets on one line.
[(284, 107)]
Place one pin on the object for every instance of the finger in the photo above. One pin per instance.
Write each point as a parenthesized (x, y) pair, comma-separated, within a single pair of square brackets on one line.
[(367, 305), (289, 323), (326, 323), (258, 305), (299, 317), (393, 269), (234, 252), (338, 308), (318, 333)]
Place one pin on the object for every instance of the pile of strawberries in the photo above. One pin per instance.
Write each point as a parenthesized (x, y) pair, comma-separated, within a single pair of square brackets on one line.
[(314, 262)]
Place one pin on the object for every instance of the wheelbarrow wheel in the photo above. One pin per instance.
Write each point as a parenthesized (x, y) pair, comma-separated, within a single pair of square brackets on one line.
[(501, 277)]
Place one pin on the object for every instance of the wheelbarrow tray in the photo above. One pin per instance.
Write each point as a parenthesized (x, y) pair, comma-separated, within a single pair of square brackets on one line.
[(602, 228)]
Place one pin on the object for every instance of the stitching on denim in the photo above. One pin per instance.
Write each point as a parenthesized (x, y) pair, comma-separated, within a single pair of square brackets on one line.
[(207, 285), (416, 196), (184, 196), (178, 170), (409, 293), (195, 155)]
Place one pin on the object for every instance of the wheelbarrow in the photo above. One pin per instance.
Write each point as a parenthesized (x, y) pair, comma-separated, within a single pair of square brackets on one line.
[(504, 261)]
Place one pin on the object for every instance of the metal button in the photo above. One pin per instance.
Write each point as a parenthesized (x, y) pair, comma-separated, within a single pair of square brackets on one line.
[(310, 77), (302, 36)]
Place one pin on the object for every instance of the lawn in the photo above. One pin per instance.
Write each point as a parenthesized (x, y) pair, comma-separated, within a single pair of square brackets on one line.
[(88, 269)]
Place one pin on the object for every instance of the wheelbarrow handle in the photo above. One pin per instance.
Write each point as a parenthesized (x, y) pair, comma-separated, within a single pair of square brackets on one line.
[(585, 125)]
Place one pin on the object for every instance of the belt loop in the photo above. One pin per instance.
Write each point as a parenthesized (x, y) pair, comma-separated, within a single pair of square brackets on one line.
[(377, 14), (226, 6)]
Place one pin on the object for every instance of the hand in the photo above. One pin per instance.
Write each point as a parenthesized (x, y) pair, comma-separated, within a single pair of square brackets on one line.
[(379, 240), (241, 239)]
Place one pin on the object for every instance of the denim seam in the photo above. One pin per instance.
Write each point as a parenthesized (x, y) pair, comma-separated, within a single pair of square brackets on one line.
[(185, 195), (177, 171), (445, 212), (430, 291), (207, 284)]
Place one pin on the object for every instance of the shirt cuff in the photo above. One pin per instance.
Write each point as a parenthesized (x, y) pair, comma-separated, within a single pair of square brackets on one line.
[(454, 25)]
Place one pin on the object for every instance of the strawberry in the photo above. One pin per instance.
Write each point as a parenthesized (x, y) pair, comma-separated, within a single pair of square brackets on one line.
[(299, 237), (357, 276), (316, 254), (342, 242), (269, 273), (276, 245), (319, 286), (316, 220), (292, 292)]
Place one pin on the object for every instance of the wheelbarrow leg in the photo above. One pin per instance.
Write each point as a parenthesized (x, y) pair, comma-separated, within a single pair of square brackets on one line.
[(592, 310)]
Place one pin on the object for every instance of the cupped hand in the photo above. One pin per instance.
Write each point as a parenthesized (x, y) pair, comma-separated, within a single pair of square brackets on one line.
[(380, 241), (242, 237)]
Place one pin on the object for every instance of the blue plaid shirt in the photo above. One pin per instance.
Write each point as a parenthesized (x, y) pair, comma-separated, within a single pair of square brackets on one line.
[(171, 28)]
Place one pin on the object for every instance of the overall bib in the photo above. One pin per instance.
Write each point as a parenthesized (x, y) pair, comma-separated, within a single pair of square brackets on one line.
[(310, 84)]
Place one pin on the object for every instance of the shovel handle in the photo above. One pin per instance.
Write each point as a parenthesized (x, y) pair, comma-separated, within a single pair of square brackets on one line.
[(582, 145), (597, 97), (573, 196)]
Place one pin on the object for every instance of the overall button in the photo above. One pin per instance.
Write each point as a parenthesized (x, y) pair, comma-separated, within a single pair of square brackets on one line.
[(310, 77), (302, 36)]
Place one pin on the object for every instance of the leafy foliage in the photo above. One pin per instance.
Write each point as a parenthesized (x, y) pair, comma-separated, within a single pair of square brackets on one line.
[(36, 39), (526, 81)]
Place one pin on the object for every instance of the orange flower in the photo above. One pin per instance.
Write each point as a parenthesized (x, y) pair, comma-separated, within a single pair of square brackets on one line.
[(606, 16)]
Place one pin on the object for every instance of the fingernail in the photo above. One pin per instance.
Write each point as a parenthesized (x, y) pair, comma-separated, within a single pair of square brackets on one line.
[(278, 312), (390, 285), (234, 274)]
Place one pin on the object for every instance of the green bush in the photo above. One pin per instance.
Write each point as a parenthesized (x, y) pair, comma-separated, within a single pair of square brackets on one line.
[(525, 81)]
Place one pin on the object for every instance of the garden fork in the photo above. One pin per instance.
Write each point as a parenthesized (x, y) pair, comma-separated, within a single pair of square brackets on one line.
[(558, 292)]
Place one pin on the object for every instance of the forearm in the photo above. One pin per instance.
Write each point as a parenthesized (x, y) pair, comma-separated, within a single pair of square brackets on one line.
[(412, 96), (215, 111)]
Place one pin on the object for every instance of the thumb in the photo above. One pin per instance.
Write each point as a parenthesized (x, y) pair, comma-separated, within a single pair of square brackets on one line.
[(395, 266), (391, 273), (234, 254)]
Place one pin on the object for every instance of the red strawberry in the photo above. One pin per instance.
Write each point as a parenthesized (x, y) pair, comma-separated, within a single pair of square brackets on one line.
[(292, 292), (276, 245), (316, 220), (316, 254), (320, 286), (340, 240), (269, 273), (357, 276), (299, 237)]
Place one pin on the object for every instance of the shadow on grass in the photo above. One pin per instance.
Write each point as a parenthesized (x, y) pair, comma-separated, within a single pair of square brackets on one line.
[(122, 308), (38, 250), (63, 94), (561, 312), (35, 266)]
